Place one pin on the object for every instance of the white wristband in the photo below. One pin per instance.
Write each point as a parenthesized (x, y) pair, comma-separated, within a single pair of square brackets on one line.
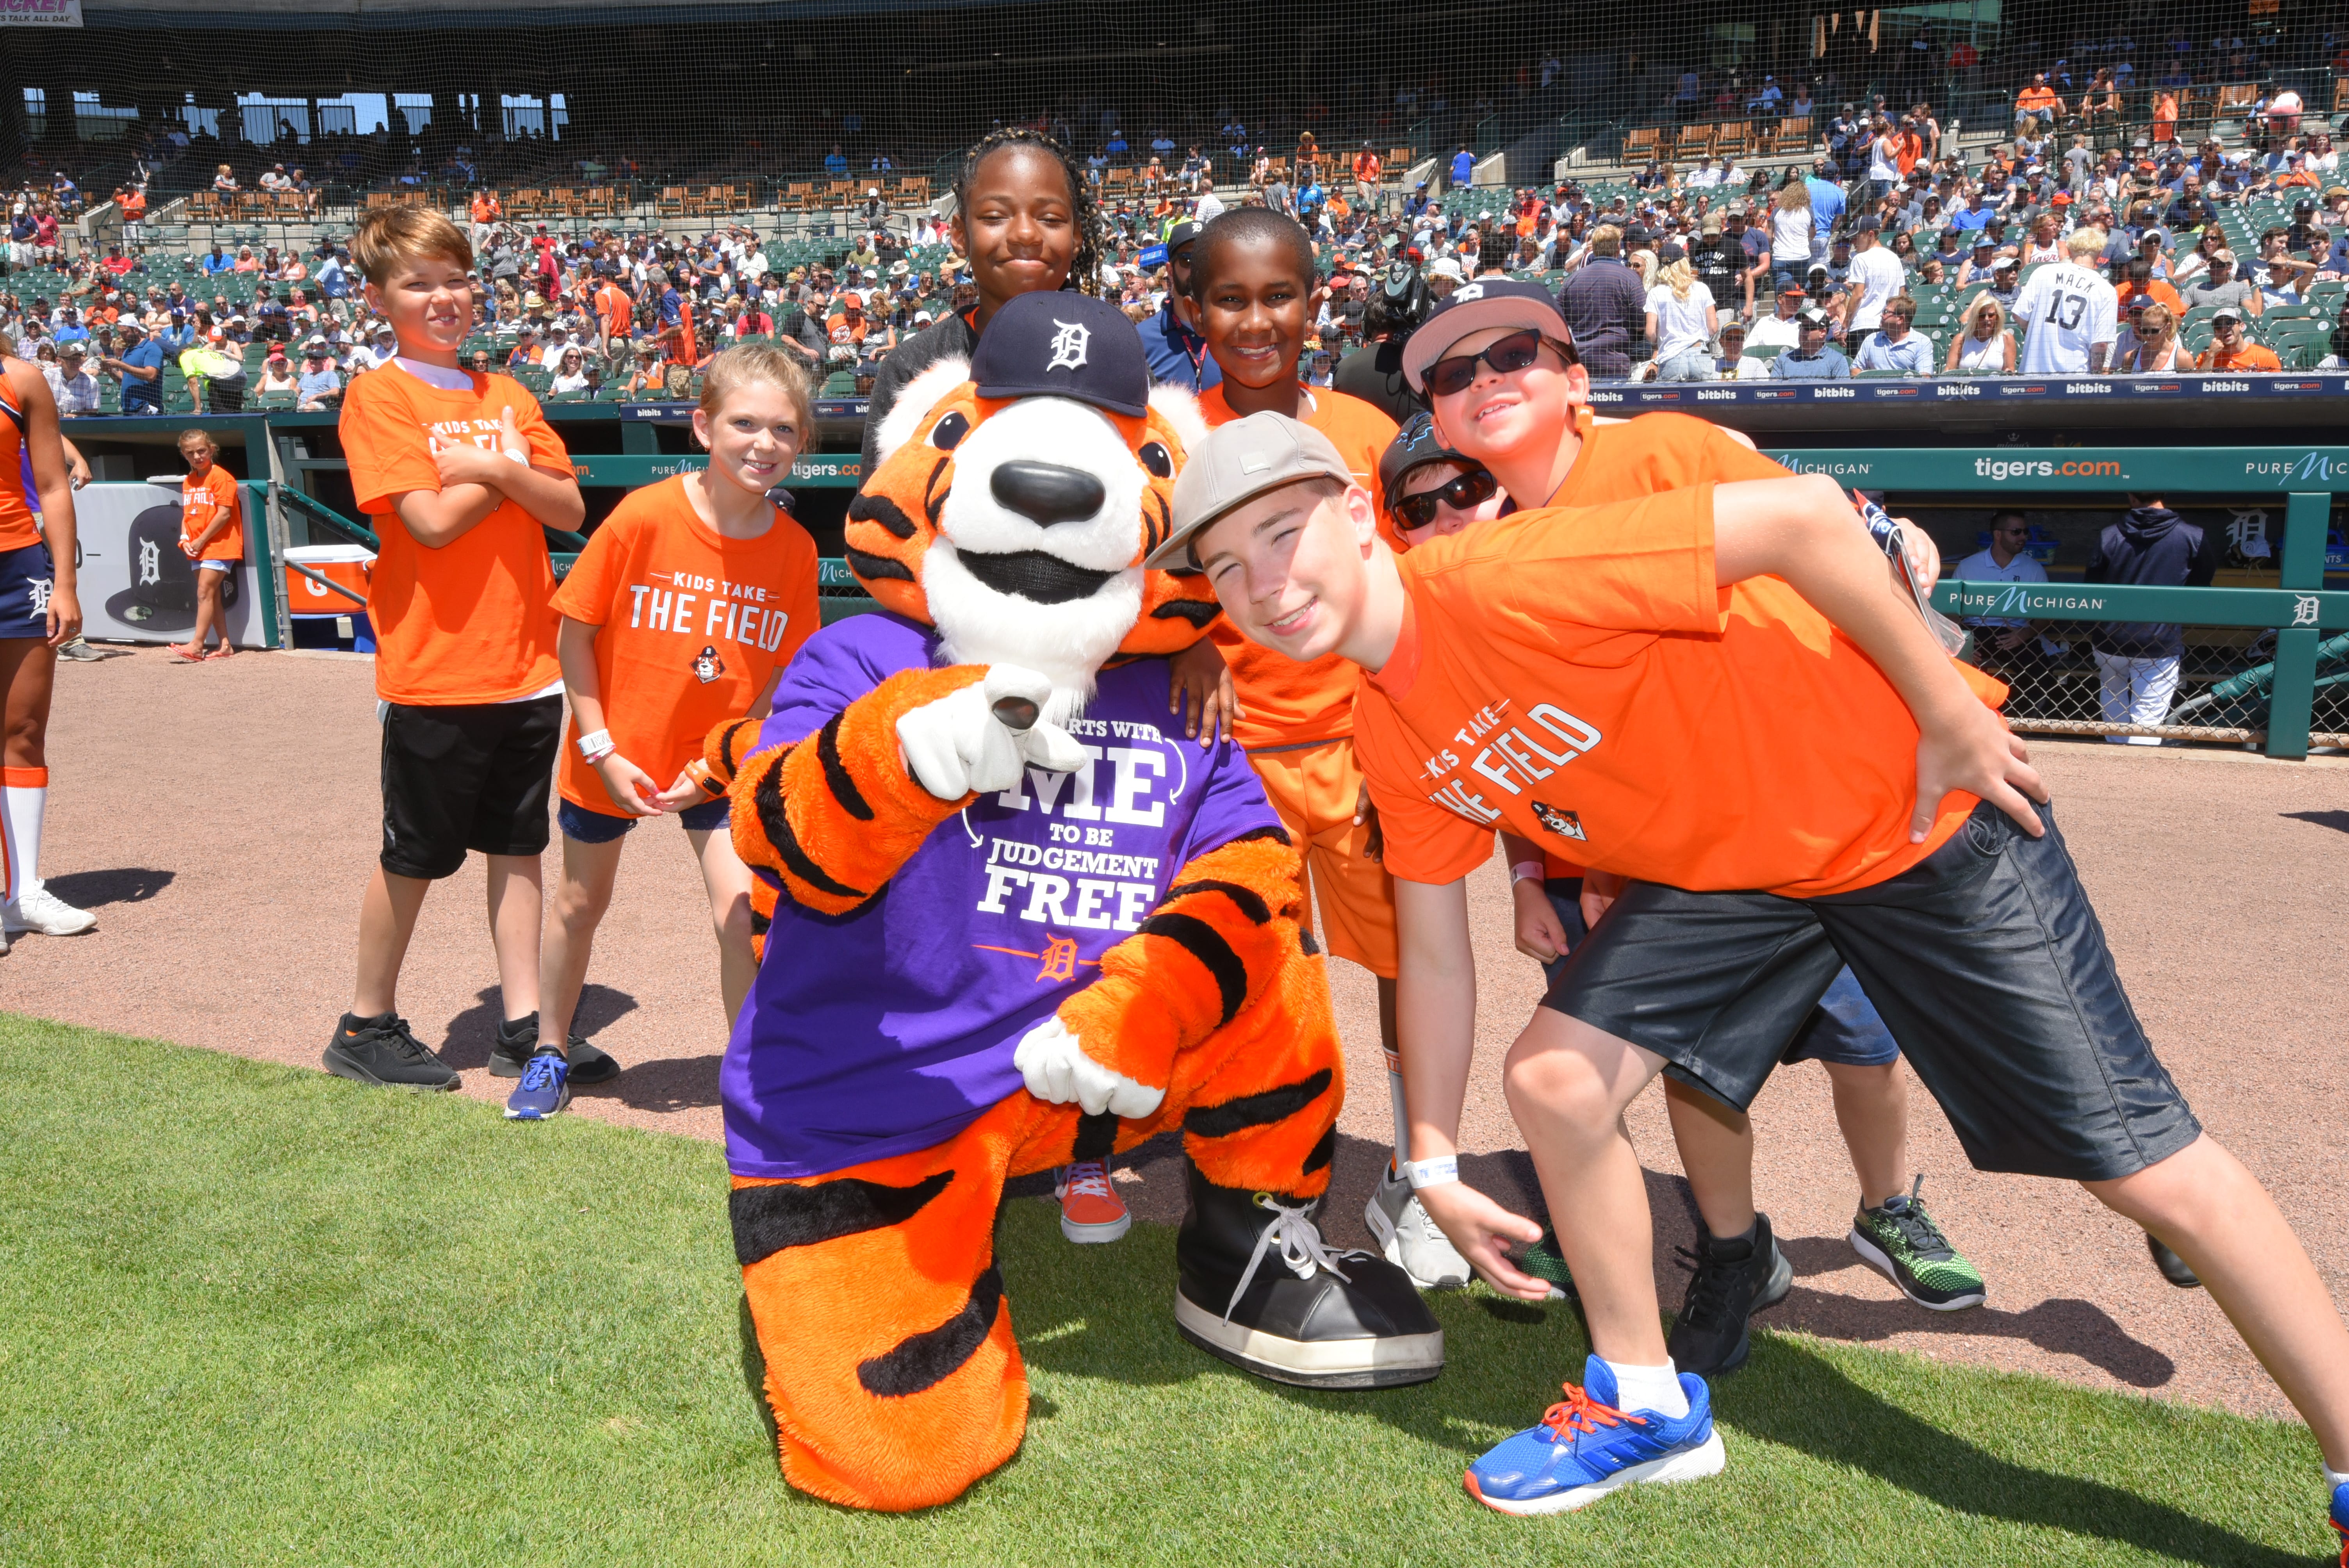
[(1435, 1172), (1525, 870), (597, 745)]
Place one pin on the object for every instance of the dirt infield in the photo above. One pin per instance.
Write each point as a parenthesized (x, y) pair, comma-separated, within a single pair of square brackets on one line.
[(221, 819)]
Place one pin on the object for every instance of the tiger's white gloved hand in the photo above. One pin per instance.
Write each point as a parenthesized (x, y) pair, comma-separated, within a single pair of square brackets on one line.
[(957, 745), (1054, 1063)]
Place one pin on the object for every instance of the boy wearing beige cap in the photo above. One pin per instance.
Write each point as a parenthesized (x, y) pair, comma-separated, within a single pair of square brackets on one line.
[(1713, 693)]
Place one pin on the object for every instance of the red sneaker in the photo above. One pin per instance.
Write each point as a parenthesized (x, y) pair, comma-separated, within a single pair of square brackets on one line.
[(1090, 1210)]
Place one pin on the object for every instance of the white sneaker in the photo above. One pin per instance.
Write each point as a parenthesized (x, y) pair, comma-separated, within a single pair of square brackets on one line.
[(44, 912), (1408, 1239)]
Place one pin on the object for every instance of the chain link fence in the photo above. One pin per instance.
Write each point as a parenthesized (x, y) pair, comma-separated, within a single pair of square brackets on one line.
[(2215, 690)]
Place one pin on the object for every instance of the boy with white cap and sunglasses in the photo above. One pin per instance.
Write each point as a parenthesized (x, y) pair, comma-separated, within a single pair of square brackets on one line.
[(1716, 693)]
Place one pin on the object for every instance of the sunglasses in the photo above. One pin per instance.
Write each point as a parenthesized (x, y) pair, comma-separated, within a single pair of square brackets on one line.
[(1506, 357), (1471, 489)]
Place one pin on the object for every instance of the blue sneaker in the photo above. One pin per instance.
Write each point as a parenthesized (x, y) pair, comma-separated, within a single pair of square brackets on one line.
[(2341, 1518), (1585, 1448), (545, 1088)]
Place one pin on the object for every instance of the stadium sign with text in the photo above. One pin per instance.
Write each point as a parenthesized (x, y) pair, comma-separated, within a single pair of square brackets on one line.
[(2109, 470), (40, 13)]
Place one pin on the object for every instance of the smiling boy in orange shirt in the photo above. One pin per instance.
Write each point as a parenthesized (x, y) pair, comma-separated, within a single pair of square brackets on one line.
[(461, 474)]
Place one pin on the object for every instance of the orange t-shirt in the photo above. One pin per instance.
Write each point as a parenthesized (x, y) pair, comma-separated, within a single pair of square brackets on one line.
[(614, 310), (1738, 740), (2251, 356), (694, 625), (2035, 99), (1287, 703), (130, 206), (470, 622), (200, 502), (20, 519)]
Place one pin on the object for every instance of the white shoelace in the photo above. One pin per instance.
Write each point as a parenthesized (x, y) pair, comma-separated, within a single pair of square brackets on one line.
[(1301, 1248), (1088, 1177)]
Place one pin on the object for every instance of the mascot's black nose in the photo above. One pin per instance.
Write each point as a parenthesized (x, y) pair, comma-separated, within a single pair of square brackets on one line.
[(1047, 493)]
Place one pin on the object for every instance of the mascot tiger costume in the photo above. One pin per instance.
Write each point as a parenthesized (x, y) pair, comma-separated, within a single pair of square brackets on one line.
[(1019, 925)]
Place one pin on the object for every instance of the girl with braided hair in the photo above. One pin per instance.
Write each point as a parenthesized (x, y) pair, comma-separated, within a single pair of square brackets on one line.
[(1028, 222)]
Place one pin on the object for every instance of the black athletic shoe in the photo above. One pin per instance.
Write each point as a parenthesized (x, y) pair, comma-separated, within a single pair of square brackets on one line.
[(1258, 1287), (2173, 1267), (1734, 1280), (384, 1052), (518, 1040)]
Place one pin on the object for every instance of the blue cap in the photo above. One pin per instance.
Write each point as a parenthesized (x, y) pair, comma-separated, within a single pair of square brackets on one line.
[(1064, 345)]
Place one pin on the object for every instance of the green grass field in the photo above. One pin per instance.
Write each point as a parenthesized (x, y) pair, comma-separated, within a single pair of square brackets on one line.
[(256, 1316)]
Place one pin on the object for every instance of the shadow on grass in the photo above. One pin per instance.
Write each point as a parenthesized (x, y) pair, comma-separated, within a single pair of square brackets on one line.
[(2064, 1326), (1107, 1315)]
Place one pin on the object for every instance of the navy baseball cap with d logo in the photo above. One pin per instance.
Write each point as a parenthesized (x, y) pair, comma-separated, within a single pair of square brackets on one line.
[(1064, 345)]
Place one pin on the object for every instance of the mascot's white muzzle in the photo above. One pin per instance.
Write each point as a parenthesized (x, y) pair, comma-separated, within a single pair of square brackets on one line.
[(1036, 561)]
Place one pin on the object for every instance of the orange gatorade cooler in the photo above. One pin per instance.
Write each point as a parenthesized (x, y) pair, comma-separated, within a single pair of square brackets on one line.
[(348, 566)]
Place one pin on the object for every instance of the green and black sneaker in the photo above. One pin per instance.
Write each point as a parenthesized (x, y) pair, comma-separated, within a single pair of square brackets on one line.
[(1544, 1261), (1900, 1241)]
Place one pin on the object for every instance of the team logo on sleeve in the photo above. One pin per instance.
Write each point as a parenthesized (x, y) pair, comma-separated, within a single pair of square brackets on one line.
[(1565, 824), (707, 666)]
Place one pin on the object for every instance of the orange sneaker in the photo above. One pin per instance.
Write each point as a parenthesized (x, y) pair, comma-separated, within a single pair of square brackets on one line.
[(1090, 1210)]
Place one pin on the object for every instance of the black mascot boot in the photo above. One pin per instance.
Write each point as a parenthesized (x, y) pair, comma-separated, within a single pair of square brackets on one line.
[(1260, 1288)]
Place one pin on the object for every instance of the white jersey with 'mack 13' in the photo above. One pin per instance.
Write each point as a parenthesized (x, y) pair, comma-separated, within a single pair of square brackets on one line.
[(2067, 307)]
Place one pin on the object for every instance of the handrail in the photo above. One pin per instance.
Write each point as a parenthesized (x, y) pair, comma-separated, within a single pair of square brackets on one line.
[(317, 510)]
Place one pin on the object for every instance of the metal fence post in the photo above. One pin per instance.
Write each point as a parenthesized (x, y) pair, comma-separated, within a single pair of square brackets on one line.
[(2306, 515)]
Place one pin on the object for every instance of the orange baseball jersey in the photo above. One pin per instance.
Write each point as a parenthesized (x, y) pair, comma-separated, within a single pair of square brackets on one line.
[(200, 502), (1287, 703), (20, 503), (1576, 676), (694, 625), (470, 622)]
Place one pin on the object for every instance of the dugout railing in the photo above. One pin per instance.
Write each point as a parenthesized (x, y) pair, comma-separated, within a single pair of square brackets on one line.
[(2273, 665), (2265, 664)]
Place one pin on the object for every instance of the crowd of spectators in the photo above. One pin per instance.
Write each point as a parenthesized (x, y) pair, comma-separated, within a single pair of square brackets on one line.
[(1895, 254), (1891, 253)]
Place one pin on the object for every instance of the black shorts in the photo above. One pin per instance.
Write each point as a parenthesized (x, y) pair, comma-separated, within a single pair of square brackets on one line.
[(1985, 959), (473, 776)]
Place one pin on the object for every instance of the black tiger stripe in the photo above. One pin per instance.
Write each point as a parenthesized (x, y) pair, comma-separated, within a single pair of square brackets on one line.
[(769, 1219), (1322, 1153), (1096, 1136), (1277, 835), (835, 772), (1308, 943), (1190, 610), (934, 495), (729, 749), (1206, 943), (1159, 526), (877, 568), (1256, 1110), (1250, 904), (767, 798), (928, 1359), (880, 509), (761, 924)]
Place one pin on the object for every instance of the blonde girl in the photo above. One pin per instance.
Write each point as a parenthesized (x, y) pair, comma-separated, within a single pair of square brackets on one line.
[(683, 610), (1681, 321), (1985, 348), (2153, 348)]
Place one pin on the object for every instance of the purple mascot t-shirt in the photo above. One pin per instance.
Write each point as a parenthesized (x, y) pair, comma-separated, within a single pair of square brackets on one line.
[(890, 1028)]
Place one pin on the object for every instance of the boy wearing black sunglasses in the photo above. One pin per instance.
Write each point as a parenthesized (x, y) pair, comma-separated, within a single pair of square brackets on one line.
[(1534, 426)]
